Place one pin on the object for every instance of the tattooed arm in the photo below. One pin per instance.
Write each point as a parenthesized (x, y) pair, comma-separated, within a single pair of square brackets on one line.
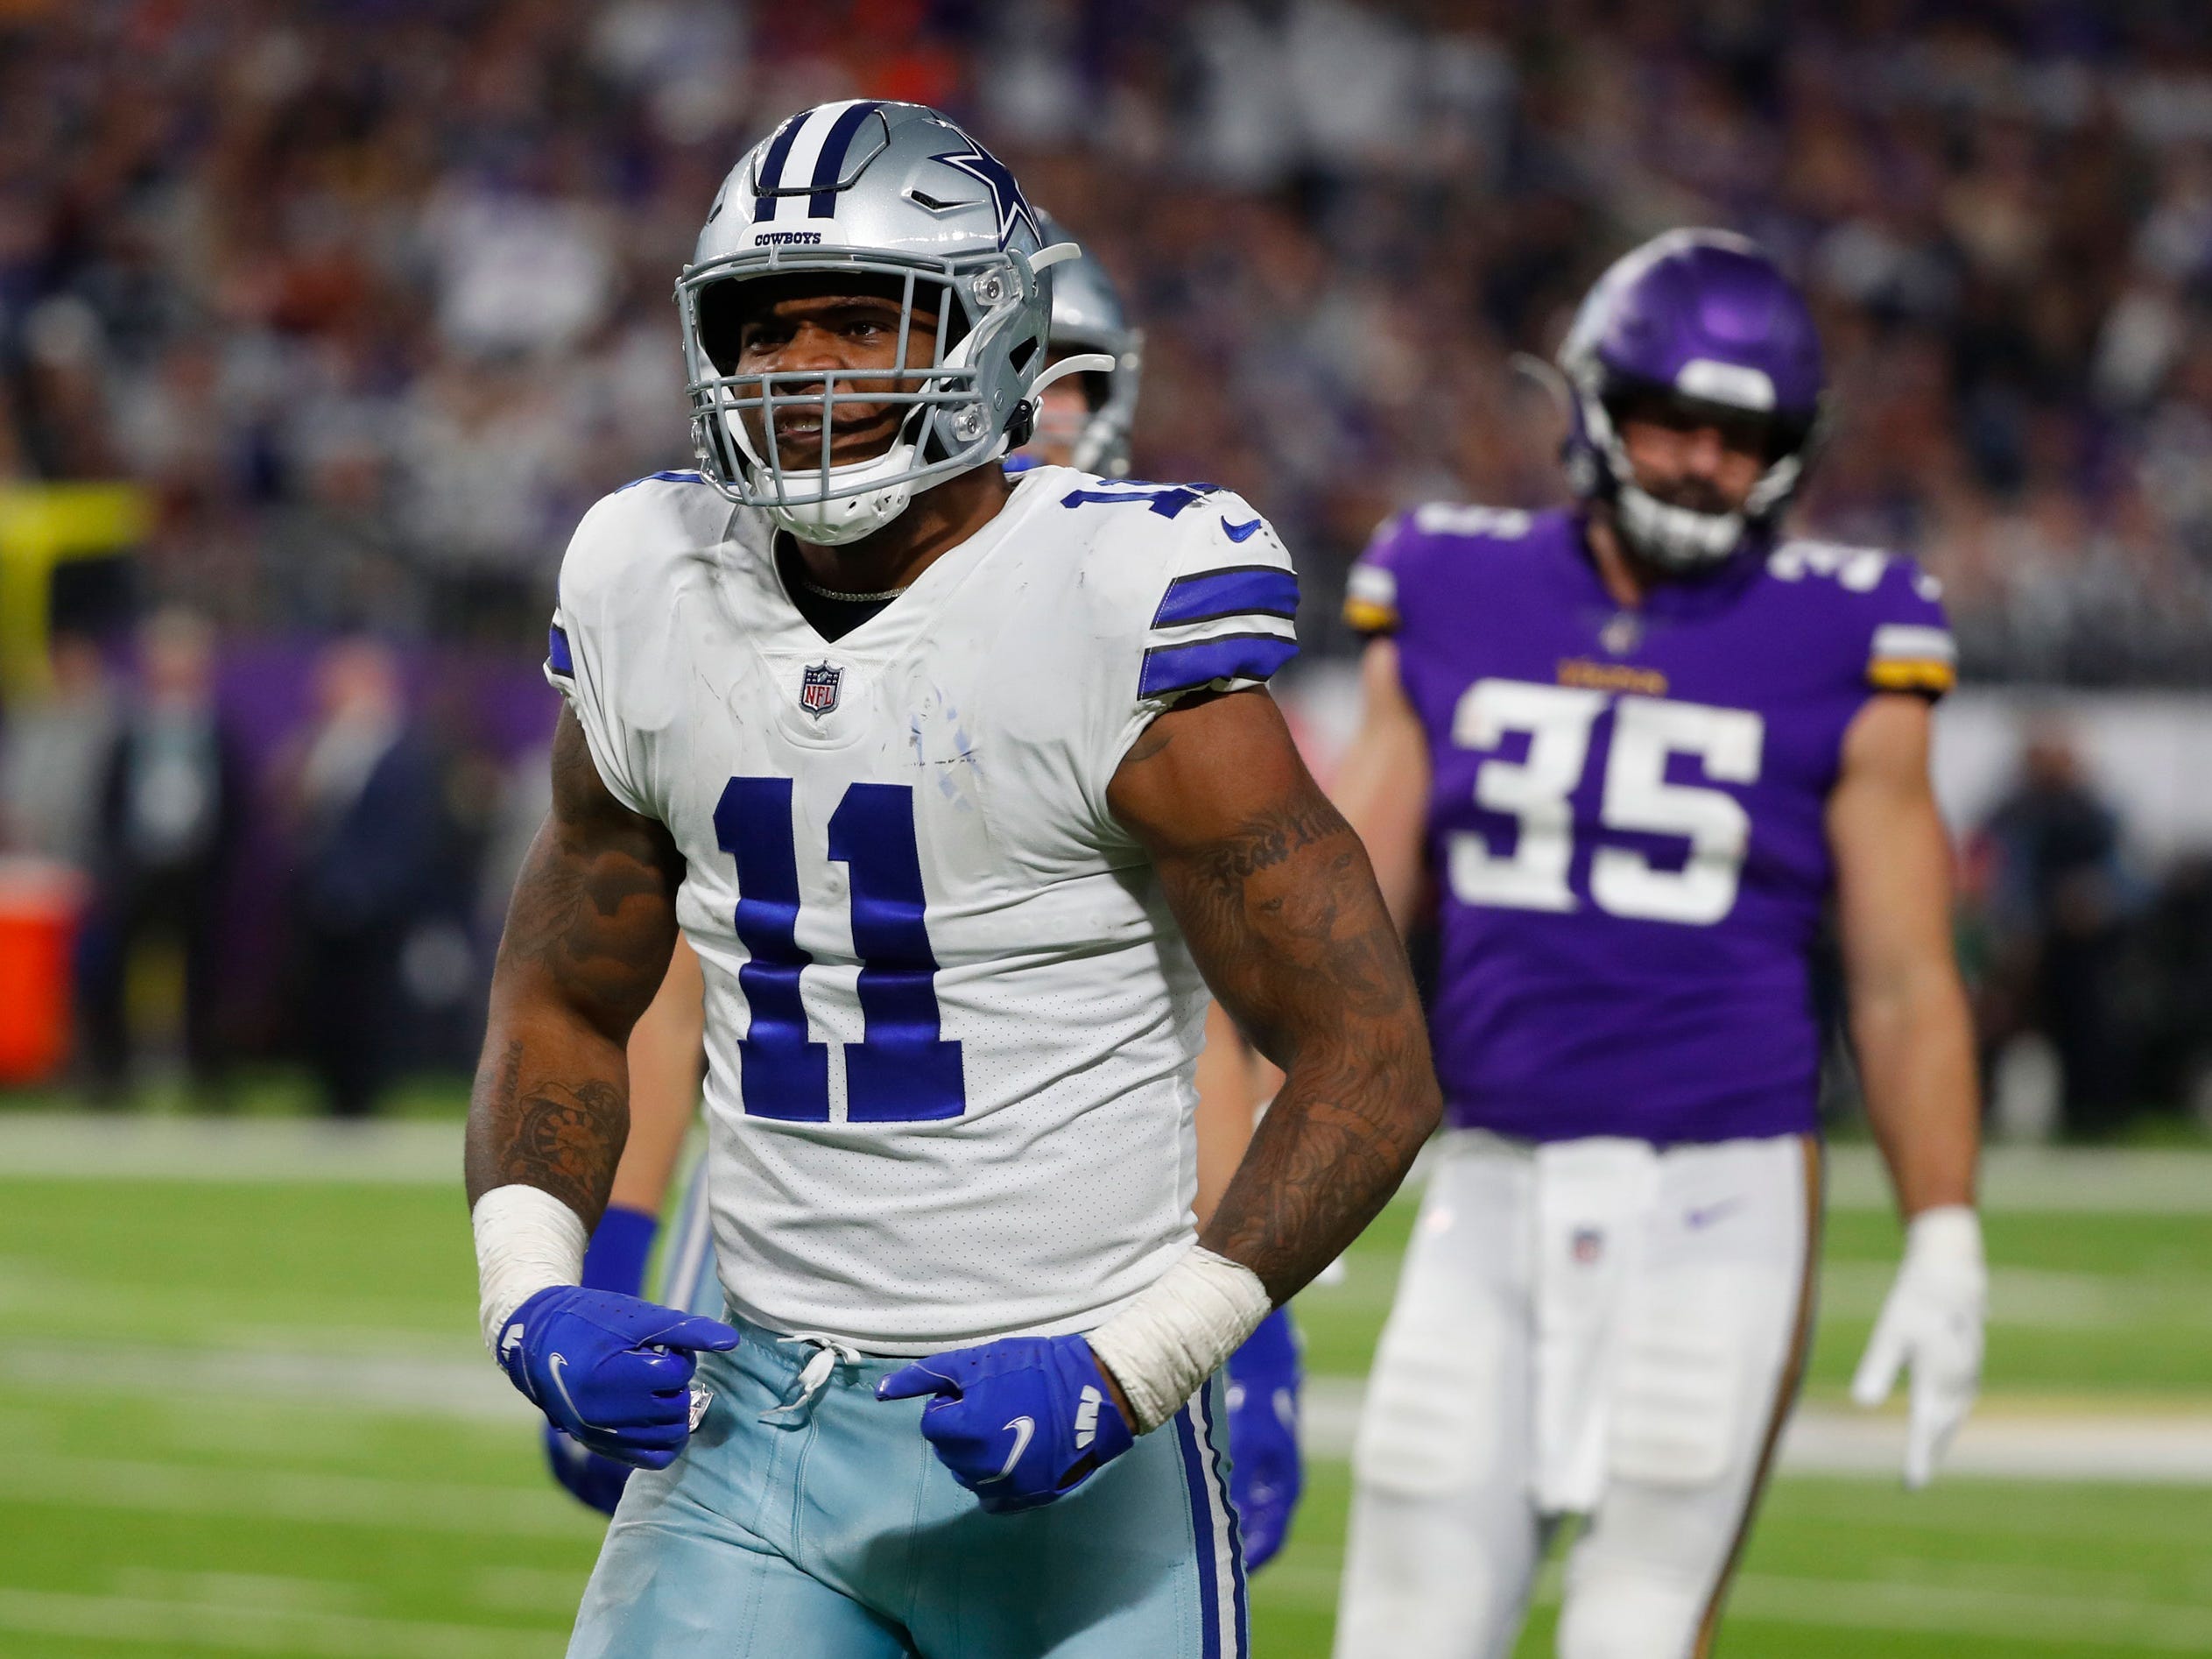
[(1276, 896), (587, 940)]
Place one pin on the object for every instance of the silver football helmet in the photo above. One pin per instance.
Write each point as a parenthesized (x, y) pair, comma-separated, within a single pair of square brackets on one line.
[(1087, 315), (897, 195)]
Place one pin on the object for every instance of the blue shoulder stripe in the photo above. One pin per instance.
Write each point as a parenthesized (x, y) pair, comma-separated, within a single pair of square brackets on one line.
[(1265, 589), (665, 477), (557, 654), (1232, 656)]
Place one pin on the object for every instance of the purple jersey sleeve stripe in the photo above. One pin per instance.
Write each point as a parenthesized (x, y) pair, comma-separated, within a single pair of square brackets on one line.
[(558, 658), (1235, 656), (1259, 589)]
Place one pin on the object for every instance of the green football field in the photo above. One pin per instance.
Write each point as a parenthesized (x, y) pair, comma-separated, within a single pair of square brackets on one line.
[(244, 1410)]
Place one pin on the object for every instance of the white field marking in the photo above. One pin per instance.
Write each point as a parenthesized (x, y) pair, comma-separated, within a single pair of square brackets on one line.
[(76, 1145), (525, 1588), (471, 1389), (239, 1590), (72, 1145), (2050, 1180), (1880, 1507), (276, 1495), (2107, 1625), (2039, 1299), (41, 1297), (173, 1625), (2165, 1449)]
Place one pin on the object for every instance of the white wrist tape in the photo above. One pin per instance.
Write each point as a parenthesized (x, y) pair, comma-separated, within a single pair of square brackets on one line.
[(526, 1240), (1949, 1236), (1165, 1345)]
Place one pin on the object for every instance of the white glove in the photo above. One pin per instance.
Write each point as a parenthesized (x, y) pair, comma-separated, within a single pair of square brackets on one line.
[(1932, 1321)]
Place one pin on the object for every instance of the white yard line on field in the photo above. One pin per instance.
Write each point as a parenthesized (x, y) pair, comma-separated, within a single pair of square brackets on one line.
[(263, 1495), (72, 1145), (172, 1626), (84, 1147), (2016, 1443), (2166, 1448), (2110, 1625), (470, 1388)]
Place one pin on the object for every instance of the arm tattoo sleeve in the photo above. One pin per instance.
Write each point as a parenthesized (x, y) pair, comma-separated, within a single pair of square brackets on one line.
[(1284, 916), (588, 940)]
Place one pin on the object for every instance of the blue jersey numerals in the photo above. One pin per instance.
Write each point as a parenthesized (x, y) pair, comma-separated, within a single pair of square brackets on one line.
[(1165, 499), (902, 1070)]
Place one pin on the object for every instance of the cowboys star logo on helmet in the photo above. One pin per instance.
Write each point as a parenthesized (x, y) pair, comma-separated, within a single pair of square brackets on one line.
[(1005, 196)]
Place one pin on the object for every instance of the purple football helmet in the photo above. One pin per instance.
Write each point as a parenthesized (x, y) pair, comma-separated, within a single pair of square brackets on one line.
[(1702, 317)]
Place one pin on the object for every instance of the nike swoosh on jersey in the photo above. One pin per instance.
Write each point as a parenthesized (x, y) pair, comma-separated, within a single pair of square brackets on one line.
[(1023, 1427), (1238, 532), (1698, 1219)]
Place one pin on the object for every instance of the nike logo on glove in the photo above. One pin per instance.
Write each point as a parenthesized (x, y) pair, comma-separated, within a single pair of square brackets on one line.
[(554, 1365), (1239, 532), (1023, 1427)]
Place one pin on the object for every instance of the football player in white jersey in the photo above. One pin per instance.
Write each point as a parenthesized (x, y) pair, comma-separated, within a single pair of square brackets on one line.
[(1084, 421), (964, 788)]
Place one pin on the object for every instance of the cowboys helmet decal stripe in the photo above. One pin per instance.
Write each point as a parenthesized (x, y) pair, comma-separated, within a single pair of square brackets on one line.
[(829, 167), (770, 176), (809, 138)]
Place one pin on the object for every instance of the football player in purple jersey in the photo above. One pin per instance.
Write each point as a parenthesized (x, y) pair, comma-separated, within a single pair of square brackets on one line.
[(1639, 749)]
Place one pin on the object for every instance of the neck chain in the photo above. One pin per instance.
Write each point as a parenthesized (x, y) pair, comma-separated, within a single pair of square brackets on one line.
[(850, 598)]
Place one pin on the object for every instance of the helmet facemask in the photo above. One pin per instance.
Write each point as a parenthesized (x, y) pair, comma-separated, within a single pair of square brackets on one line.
[(1667, 536), (956, 417)]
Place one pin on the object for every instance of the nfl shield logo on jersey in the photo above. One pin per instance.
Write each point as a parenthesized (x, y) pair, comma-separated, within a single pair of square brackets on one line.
[(818, 688)]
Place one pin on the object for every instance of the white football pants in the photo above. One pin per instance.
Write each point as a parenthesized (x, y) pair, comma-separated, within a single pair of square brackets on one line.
[(1598, 1328)]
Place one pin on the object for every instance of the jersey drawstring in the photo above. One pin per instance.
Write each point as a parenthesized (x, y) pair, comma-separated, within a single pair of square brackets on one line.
[(814, 1376)]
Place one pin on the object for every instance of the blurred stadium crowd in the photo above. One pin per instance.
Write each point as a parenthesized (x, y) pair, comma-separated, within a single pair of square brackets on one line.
[(372, 296), (375, 292)]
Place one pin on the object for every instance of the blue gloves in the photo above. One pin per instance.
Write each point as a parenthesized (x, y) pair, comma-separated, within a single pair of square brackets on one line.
[(1019, 1422), (621, 1245), (1264, 1478), (611, 1370)]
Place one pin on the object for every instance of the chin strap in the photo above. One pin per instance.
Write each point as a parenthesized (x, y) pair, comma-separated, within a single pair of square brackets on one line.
[(1081, 362), (1059, 253)]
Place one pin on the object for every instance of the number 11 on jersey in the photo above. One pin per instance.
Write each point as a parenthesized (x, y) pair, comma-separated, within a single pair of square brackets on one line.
[(902, 1070)]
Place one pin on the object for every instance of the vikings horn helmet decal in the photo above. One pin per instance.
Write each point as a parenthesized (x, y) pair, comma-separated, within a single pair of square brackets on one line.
[(896, 197), (1706, 317)]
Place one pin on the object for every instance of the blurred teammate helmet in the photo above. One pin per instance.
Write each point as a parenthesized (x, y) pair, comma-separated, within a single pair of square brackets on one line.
[(1705, 318), (1087, 315), (898, 197)]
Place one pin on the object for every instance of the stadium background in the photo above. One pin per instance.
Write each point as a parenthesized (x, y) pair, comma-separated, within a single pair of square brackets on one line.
[(320, 325)]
